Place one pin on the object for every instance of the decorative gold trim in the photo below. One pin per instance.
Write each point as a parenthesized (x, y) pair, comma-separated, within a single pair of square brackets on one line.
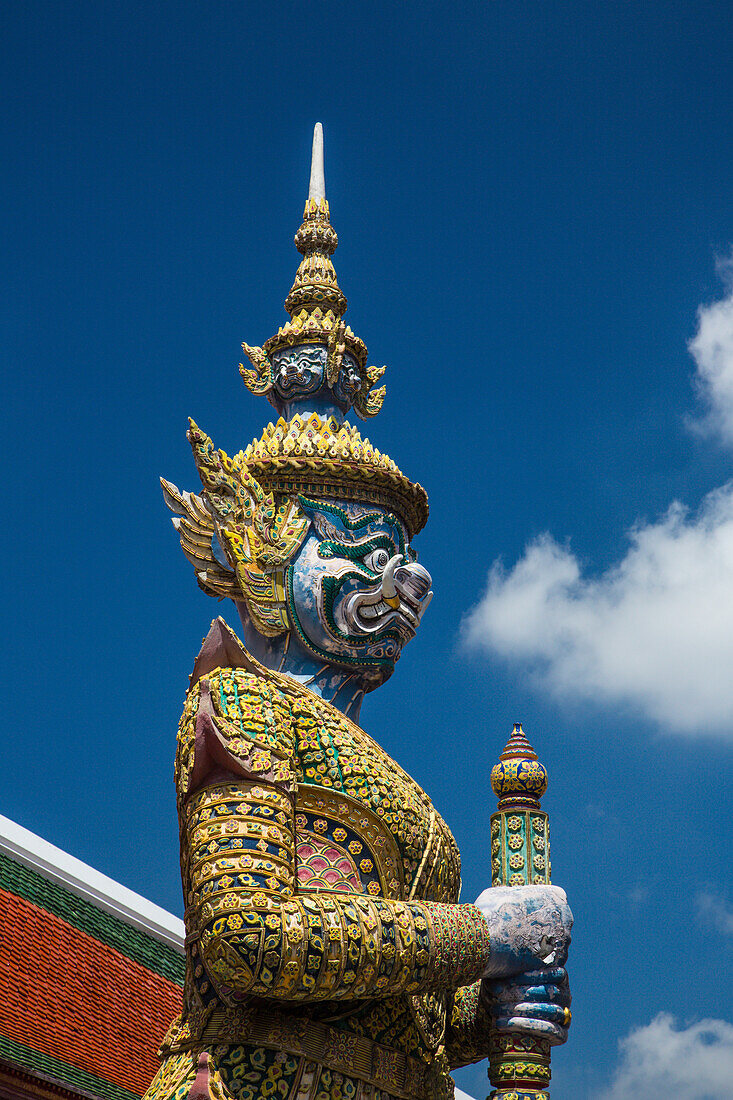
[(426, 853), (357, 1056)]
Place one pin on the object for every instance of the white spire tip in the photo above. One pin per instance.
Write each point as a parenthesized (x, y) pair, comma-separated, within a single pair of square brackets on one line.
[(317, 187)]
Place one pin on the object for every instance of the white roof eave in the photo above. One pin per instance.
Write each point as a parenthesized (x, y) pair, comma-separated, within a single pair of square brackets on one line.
[(78, 878)]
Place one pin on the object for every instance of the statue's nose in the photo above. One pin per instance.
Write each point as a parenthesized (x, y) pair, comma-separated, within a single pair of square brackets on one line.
[(413, 581)]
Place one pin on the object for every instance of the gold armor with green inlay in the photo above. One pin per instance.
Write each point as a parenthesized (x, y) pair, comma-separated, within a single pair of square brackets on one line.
[(349, 974)]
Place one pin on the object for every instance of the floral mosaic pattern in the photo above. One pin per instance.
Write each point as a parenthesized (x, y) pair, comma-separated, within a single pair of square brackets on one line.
[(301, 898)]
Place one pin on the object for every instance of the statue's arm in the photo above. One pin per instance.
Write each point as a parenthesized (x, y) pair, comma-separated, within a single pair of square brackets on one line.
[(256, 935)]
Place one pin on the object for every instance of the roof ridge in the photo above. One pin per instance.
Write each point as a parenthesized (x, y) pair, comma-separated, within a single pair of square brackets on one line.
[(99, 890)]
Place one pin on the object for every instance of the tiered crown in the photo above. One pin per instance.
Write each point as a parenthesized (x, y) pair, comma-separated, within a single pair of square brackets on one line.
[(320, 458), (313, 371), (315, 358)]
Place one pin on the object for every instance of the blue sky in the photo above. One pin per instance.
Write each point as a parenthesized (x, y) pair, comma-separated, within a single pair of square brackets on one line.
[(534, 202)]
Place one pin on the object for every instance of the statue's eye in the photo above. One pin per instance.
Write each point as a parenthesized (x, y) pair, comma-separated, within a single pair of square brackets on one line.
[(376, 560)]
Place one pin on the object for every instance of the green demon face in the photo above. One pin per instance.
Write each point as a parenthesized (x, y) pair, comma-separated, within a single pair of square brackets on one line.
[(355, 592)]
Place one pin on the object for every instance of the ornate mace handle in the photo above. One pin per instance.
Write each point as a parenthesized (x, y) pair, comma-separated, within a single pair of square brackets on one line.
[(519, 1065)]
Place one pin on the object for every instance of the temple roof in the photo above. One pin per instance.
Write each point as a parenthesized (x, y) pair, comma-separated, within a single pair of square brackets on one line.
[(90, 978)]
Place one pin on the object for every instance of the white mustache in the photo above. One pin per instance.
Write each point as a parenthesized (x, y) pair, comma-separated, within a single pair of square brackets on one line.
[(389, 601)]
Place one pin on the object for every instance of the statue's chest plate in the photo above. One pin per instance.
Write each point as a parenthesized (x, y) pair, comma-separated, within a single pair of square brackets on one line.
[(342, 846), (362, 823)]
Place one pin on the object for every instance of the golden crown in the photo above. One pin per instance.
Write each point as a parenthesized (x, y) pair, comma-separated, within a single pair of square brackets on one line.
[(313, 371), (318, 457), (316, 305)]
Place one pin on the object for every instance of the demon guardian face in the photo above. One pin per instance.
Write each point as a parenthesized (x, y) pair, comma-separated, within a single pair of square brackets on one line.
[(355, 591)]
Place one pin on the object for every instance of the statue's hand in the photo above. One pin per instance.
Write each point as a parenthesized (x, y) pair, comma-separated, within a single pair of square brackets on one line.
[(536, 1003), (525, 986), (529, 927)]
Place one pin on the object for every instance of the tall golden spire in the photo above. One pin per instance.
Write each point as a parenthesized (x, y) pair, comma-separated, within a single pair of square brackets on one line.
[(316, 285), (316, 305)]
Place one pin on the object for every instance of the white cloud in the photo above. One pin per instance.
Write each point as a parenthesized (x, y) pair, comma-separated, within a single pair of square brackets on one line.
[(661, 1061), (712, 350), (715, 910), (654, 631)]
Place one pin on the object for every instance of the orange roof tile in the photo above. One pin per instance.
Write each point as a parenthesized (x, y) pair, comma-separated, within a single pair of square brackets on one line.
[(65, 994)]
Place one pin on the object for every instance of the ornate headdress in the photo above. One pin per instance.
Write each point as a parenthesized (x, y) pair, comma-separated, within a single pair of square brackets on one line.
[(313, 371)]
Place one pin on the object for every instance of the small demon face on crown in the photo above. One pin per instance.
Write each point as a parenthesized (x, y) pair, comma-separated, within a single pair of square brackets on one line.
[(308, 529)]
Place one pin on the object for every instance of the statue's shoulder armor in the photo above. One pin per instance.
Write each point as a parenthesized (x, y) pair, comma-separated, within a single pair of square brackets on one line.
[(246, 715), (253, 702)]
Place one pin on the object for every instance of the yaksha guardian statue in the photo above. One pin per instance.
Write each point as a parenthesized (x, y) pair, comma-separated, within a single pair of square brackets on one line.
[(327, 954)]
